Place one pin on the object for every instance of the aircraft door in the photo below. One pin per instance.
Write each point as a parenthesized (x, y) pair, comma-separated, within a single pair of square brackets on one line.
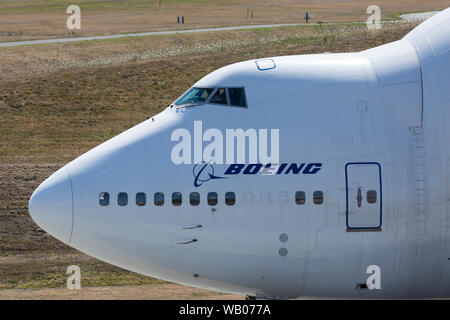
[(363, 196)]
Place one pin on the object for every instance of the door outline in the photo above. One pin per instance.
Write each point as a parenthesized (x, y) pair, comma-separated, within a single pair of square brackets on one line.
[(346, 197)]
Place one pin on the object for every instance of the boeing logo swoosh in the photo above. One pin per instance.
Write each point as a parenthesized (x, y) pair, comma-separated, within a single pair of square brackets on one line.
[(203, 172)]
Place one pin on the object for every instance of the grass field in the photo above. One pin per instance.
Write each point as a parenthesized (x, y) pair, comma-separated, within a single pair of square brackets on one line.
[(58, 101), (20, 20)]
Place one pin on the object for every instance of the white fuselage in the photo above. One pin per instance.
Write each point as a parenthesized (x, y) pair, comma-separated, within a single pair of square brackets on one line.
[(376, 121)]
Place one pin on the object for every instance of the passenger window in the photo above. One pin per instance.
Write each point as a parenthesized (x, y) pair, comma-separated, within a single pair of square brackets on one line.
[(103, 198), (230, 198), (194, 198), (220, 97), (248, 198), (122, 199), (371, 196), (300, 197), (237, 97), (159, 199), (212, 198), (141, 199), (266, 198), (283, 198), (318, 197), (176, 198)]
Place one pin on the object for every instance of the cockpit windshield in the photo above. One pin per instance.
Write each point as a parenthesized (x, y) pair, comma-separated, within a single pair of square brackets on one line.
[(233, 97), (195, 95)]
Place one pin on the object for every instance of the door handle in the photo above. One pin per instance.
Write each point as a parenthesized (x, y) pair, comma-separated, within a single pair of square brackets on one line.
[(359, 197)]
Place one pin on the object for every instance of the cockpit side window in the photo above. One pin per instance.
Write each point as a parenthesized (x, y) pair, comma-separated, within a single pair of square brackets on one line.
[(237, 97), (195, 95), (220, 97)]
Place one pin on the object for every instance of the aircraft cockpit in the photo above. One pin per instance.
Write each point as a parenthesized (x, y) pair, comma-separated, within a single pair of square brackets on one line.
[(195, 96)]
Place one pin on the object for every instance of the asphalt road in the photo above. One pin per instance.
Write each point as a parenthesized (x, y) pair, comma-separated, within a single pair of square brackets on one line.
[(144, 34)]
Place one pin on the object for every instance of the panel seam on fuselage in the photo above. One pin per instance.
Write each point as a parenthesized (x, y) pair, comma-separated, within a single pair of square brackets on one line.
[(73, 213)]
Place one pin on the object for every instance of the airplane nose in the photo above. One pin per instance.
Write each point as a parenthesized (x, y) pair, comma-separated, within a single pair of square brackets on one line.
[(51, 205)]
